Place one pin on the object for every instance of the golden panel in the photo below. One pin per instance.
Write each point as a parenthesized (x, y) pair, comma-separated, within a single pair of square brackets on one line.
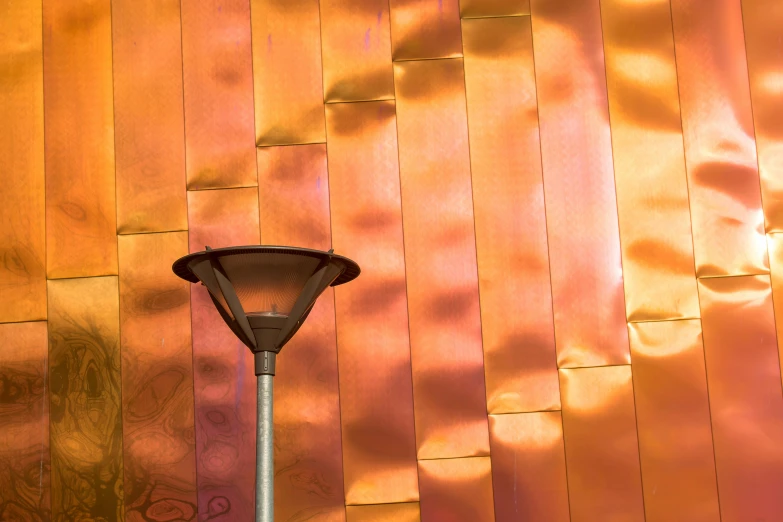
[(356, 50), (775, 243), (576, 154), (440, 259), (224, 384), (85, 399), (217, 72), (294, 210), (22, 234), (24, 417), (81, 219), (673, 420), (457, 490), (423, 29), (149, 117), (376, 406), (157, 378), (493, 8), (720, 150), (762, 21), (520, 364), (405, 512), (602, 452), (745, 400), (288, 83), (528, 467), (652, 189)]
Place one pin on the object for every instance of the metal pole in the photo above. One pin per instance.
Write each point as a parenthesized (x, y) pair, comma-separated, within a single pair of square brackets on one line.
[(265, 461)]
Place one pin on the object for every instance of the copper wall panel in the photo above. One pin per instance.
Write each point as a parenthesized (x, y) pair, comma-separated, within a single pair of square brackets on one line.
[(376, 407), (745, 396), (287, 72), (493, 8), (157, 379), (673, 420), (720, 150), (602, 452), (294, 210), (22, 234), (440, 259), (508, 199), (422, 29), (775, 245), (576, 154), (24, 417), (762, 20), (404, 512), (528, 467), (149, 117), (652, 190), (457, 490), (223, 379), (85, 399), (356, 50), (217, 71), (80, 193)]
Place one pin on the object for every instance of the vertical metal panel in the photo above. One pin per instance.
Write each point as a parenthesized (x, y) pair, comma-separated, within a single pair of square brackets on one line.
[(24, 417), (404, 512), (717, 123), (602, 452), (440, 258), (149, 116), (356, 50), (157, 379), (223, 379), (576, 154), (493, 8), (762, 20), (287, 72), (22, 235), (294, 210), (520, 364), (458, 490), (528, 467), (376, 407), (217, 71), (775, 244), (85, 399), (673, 419), (745, 396), (652, 190), (80, 193), (422, 29)]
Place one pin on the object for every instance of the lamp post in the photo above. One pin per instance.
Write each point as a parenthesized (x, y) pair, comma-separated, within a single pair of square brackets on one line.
[(264, 294)]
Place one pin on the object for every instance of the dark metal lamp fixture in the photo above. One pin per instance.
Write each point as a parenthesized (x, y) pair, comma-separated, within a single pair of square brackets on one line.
[(264, 294)]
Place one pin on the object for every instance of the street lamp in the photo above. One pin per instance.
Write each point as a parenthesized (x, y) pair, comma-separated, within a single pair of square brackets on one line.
[(264, 294)]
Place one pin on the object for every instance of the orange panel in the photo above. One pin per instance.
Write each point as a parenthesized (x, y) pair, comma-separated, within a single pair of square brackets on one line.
[(356, 50), (376, 408), (745, 399), (493, 8), (720, 151), (602, 452), (652, 189), (405, 512), (23, 236), (294, 209), (223, 380), (24, 417), (528, 467), (673, 419), (764, 48), (422, 29), (80, 194), (157, 378), (440, 257), (287, 72), (85, 399), (149, 116), (775, 243), (510, 220), (576, 154), (457, 490), (218, 83)]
